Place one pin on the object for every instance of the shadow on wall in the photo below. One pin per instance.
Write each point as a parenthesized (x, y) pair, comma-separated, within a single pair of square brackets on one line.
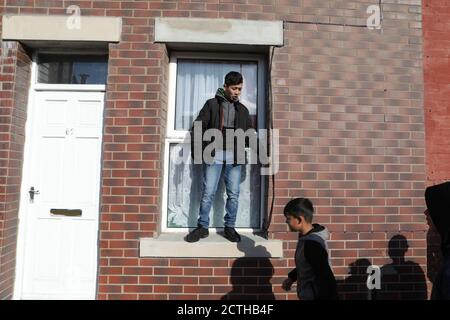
[(354, 287), (251, 274), (400, 280)]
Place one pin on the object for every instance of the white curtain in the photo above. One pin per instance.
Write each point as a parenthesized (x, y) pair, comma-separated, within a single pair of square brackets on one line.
[(197, 81)]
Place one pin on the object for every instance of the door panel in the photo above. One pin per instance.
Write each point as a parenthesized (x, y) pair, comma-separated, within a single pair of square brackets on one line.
[(60, 258)]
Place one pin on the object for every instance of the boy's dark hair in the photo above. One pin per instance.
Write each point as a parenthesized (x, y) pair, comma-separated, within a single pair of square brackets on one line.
[(233, 78), (300, 207)]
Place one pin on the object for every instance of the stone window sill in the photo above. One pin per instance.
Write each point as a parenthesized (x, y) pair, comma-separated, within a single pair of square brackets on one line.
[(172, 245)]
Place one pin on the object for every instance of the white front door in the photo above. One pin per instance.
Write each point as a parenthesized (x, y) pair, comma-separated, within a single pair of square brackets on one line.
[(61, 222)]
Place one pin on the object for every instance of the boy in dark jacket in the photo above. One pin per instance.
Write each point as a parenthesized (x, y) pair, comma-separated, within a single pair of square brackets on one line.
[(225, 113), (315, 279)]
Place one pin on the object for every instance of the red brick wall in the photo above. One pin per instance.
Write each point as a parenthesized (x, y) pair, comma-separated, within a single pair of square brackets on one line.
[(350, 114), (14, 82), (436, 71), (436, 16), (348, 104)]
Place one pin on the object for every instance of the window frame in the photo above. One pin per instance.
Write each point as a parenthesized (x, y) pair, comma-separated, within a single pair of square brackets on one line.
[(67, 86), (179, 136)]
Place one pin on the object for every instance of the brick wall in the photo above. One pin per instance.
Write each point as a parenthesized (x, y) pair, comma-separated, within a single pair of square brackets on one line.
[(14, 81), (348, 104), (351, 121)]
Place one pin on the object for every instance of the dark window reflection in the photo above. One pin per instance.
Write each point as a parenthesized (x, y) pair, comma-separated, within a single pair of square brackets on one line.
[(72, 69)]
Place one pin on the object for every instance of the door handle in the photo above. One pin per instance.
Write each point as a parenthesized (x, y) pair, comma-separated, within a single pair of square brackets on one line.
[(32, 192), (66, 212)]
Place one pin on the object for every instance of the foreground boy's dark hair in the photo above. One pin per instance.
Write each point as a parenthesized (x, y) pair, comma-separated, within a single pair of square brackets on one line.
[(300, 207), (233, 78)]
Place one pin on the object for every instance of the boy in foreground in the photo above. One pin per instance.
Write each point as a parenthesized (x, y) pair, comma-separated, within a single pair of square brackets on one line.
[(315, 279)]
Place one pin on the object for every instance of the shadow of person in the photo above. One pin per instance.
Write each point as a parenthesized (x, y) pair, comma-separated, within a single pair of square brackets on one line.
[(354, 287), (401, 280), (250, 275)]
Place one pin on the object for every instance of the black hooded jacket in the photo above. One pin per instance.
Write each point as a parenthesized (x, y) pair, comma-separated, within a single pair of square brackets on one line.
[(212, 117), (313, 266), (438, 203), (437, 199)]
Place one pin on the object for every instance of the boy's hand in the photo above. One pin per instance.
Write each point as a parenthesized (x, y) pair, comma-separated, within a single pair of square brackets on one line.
[(287, 284)]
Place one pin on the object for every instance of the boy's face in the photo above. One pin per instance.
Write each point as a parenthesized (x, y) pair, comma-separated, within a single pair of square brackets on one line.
[(233, 91), (294, 223)]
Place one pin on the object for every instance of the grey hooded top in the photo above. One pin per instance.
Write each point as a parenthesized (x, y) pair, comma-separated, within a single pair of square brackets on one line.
[(228, 109), (315, 279)]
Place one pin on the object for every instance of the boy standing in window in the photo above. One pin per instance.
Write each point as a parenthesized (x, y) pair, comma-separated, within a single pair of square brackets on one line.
[(315, 279), (225, 113)]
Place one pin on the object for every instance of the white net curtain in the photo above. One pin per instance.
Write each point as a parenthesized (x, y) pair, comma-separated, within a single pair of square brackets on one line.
[(197, 81)]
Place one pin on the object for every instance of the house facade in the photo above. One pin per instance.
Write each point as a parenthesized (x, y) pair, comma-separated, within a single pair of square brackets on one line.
[(97, 98)]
